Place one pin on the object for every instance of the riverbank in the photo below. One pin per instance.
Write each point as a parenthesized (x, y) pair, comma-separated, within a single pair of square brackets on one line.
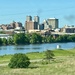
[(40, 55), (62, 65)]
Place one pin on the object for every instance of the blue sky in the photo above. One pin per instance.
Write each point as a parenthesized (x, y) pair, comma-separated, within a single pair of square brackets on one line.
[(17, 10)]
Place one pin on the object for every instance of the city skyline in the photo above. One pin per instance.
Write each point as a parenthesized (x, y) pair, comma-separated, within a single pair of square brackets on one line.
[(17, 10)]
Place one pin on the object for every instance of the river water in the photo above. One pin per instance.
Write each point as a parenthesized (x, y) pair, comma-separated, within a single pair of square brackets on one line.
[(34, 48)]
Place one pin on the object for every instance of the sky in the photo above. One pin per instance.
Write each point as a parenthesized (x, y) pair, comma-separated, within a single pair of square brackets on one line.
[(17, 10)]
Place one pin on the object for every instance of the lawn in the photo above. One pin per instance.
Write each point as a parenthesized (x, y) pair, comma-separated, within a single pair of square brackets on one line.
[(63, 64)]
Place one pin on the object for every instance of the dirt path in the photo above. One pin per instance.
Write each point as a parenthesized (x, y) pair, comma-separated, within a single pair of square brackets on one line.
[(37, 60), (4, 64)]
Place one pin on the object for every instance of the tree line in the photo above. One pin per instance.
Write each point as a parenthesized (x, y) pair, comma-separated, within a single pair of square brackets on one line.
[(34, 38)]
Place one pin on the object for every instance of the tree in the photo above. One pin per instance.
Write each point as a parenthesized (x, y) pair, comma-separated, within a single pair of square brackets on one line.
[(16, 39), (27, 38), (50, 39), (44, 39), (4, 41), (20, 38), (10, 41), (49, 55), (19, 61), (62, 38), (1, 42), (71, 38), (36, 38)]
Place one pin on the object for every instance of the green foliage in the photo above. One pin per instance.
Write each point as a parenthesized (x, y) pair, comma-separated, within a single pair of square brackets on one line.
[(50, 39), (49, 55), (62, 38), (36, 38), (20, 38), (10, 41), (27, 38), (1, 41), (19, 61), (44, 39), (5, 42), (71, 38), (16, 39)]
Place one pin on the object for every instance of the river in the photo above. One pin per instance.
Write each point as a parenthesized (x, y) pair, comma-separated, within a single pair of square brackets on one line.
[(34, 48)]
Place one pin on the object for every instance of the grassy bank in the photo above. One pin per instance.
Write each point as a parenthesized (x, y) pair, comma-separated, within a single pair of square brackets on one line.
[(64, 64), (41, 55)]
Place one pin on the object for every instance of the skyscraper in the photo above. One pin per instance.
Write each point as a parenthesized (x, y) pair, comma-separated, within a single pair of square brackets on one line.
[(31, 25), (46, 26), (36, 19), (28, 18), (53, 23)]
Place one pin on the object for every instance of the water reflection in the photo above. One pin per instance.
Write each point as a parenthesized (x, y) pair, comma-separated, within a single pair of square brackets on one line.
[(0, 48), (34, 48), (18, 48), (3, 48)]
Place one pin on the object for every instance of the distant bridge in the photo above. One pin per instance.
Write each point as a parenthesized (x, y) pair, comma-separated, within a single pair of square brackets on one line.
[(61, 33)]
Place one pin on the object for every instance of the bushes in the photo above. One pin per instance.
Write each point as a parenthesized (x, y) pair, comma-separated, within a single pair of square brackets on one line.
[(49, 55), (19, 61)]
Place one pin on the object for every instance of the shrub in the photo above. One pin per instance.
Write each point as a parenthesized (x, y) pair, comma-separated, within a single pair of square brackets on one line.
[(49, 55), (19, 61)]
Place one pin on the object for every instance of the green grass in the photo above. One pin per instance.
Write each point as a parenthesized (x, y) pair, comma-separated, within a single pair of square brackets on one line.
[(63, 64), (41, 55), (57, 52), (35, 55), (5, 59), (61, 52)]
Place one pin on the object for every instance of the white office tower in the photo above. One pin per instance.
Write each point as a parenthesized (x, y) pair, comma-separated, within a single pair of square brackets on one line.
[(28, 18), (36, 19), (53, 23)]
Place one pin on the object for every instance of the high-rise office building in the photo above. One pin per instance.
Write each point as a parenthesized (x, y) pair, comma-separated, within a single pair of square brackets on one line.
[(31, 25), (28, 18), (46, 26), (53, 23), (36, 19)]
